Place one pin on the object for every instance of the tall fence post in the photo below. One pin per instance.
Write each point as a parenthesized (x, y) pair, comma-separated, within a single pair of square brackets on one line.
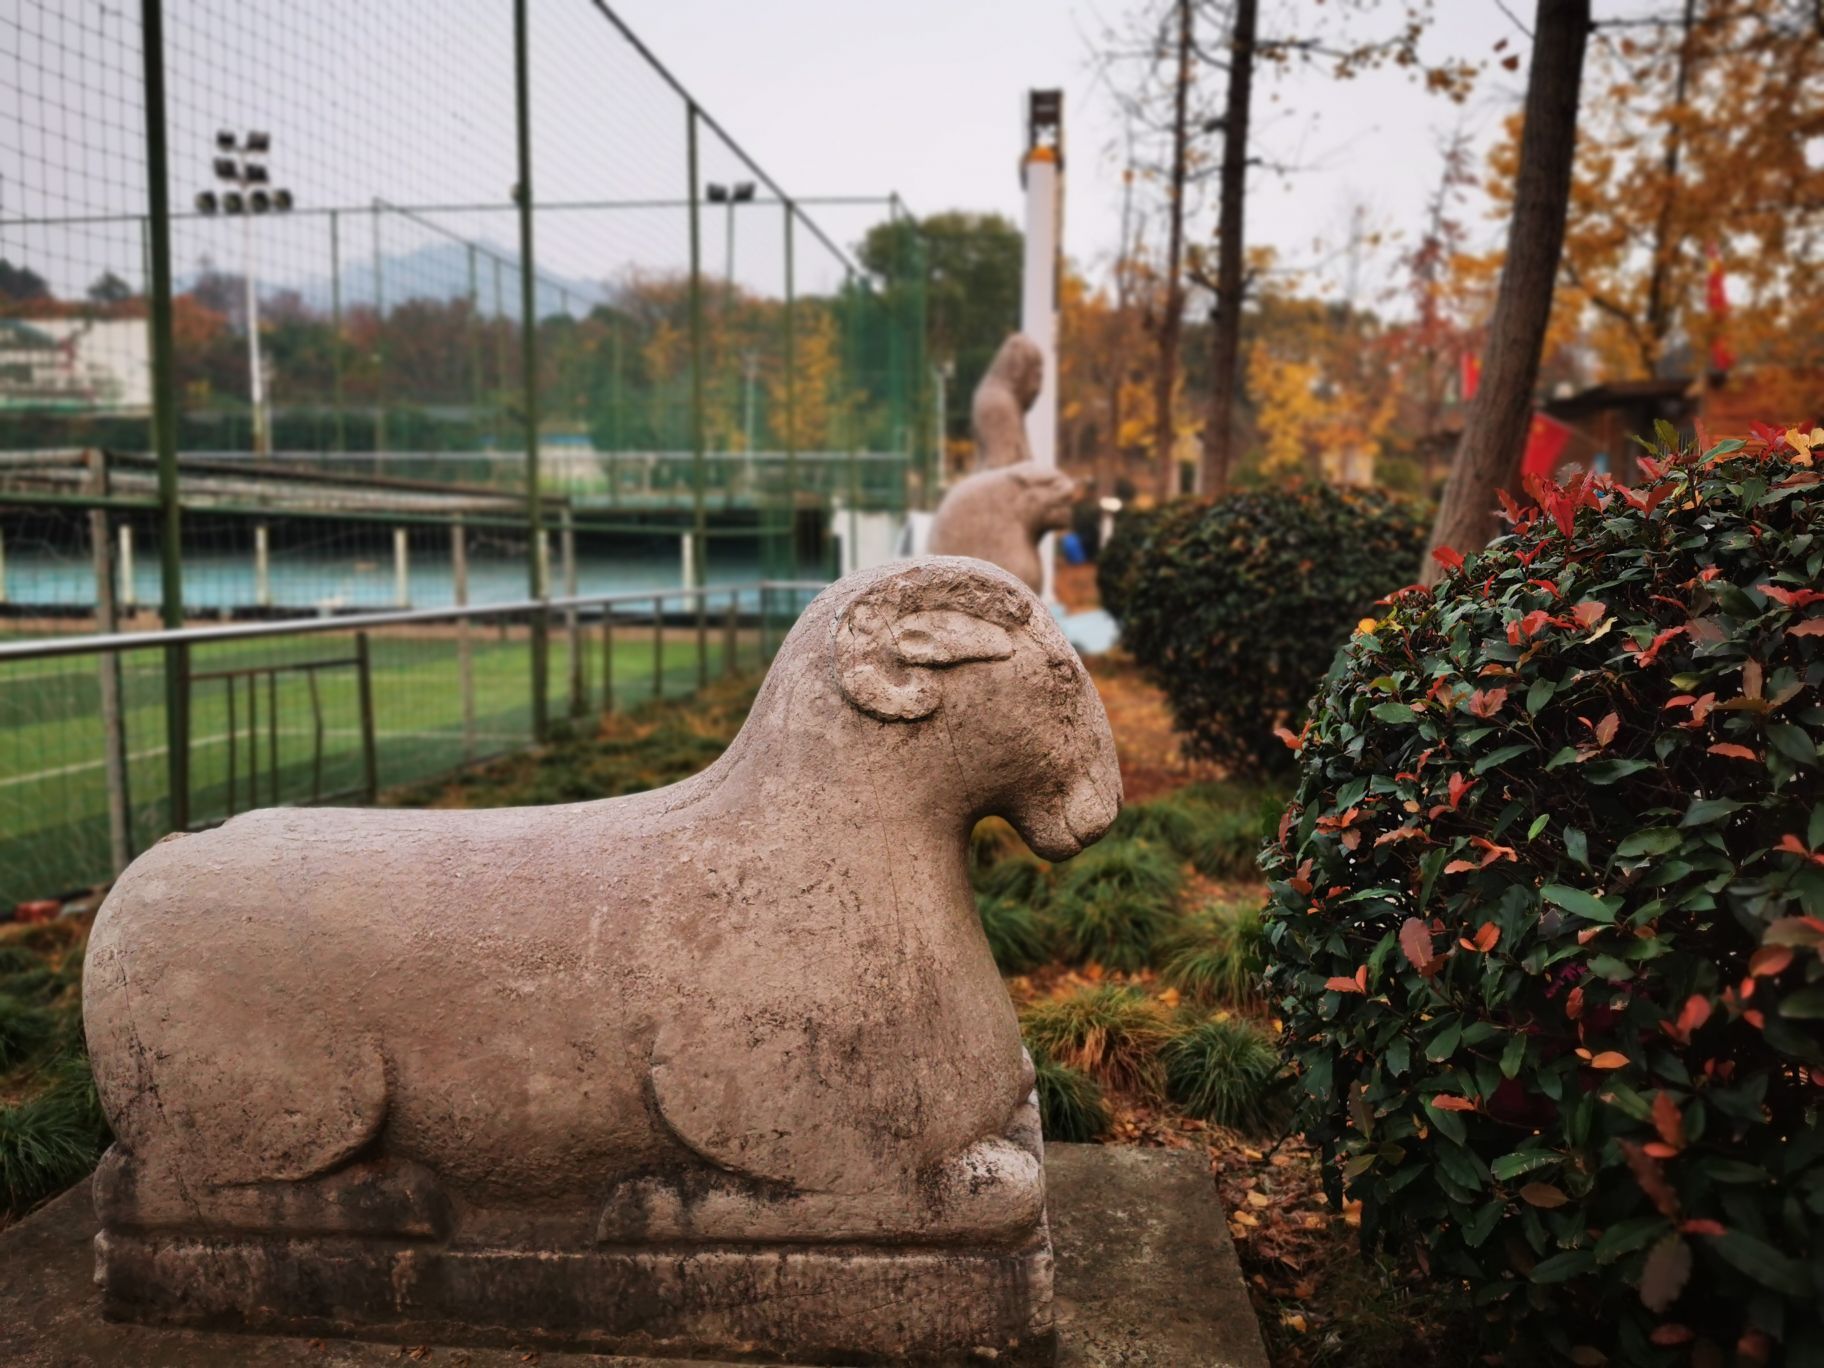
[(164, 410), (522, 192), (465, 651), (402, 568), (262, 565), (113, 722), (364, 687), (379, 337), (573, 628), (335, 325), (789, 567), (698, 438)]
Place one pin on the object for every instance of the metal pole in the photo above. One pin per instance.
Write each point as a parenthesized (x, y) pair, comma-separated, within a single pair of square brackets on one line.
[(113, 725), (402, 568), (699, 540), (528, 307), (465, 655), (164, 411), (370, 765), (566, 544), (729, 665), (262, 565), (129, 583), (500, 335), (474, 343), (335, 324), (379, 336), (607, 658), (256, 381), (790, 568), (658, 646), (853, 549)]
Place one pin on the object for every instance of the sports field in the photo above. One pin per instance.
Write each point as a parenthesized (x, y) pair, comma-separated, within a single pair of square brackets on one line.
[(291, 734)]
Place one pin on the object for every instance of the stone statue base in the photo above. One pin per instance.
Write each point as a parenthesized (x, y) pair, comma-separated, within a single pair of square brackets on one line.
[(805, 1304)]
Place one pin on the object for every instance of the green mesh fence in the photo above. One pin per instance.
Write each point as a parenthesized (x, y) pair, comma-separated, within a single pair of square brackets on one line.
[(467, 303)]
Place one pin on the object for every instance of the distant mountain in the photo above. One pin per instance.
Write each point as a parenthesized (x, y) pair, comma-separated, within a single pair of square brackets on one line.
[(437, 270)]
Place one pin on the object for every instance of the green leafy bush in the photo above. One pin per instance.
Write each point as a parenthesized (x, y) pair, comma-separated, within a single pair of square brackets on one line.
[(1115, 901), (1071, 1108), (1117, 557), (1547, 914), (1110, 1032), (1224, 1070), (1019, 936), (1214, 956), (1235, 608)]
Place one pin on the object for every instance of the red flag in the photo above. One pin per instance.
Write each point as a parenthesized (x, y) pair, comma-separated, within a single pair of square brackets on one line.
[(1470, 376), (1716, 298), (1545, 443)]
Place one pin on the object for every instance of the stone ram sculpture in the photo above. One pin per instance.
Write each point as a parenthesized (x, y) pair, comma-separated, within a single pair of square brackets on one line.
[(1000, 515), (720, 1069)]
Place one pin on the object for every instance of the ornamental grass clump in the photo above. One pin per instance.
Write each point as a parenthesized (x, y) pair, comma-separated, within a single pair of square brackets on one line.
[(1214, 957), (1547, 917), (1019, 935), (1115, 901), (1071, 1108), (1111, 1033), (1225, 1070), (1235, 608)]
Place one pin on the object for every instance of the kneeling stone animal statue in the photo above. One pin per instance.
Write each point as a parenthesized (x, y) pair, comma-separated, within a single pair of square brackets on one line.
[(1000, 515), (720, 1069)]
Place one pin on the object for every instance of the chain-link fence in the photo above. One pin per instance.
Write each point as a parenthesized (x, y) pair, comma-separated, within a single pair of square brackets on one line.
[(345, 309)]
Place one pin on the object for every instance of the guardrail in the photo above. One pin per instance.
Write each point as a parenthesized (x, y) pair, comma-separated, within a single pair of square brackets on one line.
[(263, 718)]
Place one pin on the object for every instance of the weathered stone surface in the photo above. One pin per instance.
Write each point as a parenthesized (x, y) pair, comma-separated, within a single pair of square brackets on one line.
[(746, 1023), (1007, 391), (1147, 1273), (1146, 1278), (1000, 515)]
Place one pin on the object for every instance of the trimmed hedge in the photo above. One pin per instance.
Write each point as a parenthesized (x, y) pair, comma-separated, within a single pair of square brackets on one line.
[(1235, 608), (1548, 911)]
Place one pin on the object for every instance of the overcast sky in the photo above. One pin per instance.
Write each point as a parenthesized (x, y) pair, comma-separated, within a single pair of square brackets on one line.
[(412, 103), (927, 98)]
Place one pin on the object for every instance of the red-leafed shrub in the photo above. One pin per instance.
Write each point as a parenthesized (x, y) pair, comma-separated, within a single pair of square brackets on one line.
[(1236, 606), (1548, 913)]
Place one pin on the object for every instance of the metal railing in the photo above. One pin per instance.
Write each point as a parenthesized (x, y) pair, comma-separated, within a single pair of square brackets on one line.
[(425, 692)]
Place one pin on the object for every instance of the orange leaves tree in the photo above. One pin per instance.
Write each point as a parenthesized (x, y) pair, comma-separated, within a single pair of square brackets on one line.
[(1692, 147), (1547, 914)]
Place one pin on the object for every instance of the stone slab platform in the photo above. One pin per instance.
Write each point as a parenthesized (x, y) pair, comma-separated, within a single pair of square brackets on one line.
[(1146, 1278)]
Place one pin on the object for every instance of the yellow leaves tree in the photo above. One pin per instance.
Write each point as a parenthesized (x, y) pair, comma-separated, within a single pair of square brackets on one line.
[(1693, 142)]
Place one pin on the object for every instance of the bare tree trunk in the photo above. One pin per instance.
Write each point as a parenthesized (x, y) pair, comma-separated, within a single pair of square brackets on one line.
[(1494, 438), (1225, 320), (1659, 310), (1171, 322)]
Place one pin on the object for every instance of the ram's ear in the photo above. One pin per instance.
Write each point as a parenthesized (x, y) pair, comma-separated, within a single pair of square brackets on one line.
[(887, 664)]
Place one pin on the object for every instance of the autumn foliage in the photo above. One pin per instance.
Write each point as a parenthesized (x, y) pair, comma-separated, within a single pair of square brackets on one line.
[(1236, 607), (1548, 917)]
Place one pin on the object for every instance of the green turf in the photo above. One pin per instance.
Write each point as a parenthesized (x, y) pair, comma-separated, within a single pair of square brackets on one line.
[(53, 783)]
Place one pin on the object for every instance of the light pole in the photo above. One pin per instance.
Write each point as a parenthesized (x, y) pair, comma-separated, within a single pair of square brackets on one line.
[(242, 164), (741, 192)]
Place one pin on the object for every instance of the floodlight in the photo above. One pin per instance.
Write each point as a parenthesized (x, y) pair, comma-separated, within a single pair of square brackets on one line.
[(224, 140), (206, 202), (718, 194), (232, 203), (259, 202), (256, 174), (1110, 504), (227, 168), (259, 142), (281, 200), (744, 191)]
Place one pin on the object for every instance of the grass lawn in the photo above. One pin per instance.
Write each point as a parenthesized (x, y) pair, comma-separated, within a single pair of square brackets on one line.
[(294, 734)]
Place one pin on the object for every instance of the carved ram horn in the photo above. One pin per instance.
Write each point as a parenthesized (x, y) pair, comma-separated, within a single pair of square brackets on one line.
[(894, 635)]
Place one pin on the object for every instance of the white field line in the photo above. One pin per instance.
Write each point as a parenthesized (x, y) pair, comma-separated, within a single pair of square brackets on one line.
[(222, 739)]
